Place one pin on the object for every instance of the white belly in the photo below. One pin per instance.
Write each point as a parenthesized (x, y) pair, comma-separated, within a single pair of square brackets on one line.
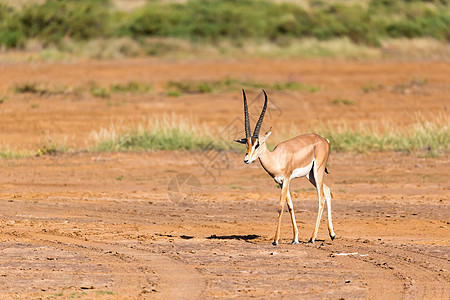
[(300, 172)]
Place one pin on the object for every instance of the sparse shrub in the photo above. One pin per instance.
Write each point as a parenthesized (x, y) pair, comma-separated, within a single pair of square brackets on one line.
[(47, 150), (130, 87), (371, 87), (160, 47), (190, 86), (411, 86), (51, 147), (293, 85), (343, 101), (99, 91), (27, 87), (39, 89), (230, 84)]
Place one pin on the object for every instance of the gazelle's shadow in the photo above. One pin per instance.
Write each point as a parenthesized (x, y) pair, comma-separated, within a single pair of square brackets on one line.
[(247, 237)]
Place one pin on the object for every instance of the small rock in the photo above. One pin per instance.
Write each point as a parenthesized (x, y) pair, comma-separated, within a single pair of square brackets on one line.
[(347, 281)]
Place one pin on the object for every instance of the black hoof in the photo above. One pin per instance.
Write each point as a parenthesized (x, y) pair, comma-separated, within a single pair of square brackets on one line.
[(275, 243), (333, 237), (311, 241), (294, 242)]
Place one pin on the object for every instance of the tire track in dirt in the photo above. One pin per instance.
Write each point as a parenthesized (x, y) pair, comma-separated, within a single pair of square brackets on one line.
[(175, 279), (411, 268), (381, 284)]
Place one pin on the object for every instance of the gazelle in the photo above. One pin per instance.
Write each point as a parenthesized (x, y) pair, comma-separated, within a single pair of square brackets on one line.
[(304, 155)]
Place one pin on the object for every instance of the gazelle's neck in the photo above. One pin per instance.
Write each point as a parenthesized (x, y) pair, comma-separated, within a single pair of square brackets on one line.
[(268, 162)]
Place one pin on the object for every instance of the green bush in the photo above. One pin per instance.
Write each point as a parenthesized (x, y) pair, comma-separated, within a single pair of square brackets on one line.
[(233, 20), (53, 20), (11, 29)]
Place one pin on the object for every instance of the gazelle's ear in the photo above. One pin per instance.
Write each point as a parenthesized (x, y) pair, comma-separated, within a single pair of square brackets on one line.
[(266, 135), (241, 141)]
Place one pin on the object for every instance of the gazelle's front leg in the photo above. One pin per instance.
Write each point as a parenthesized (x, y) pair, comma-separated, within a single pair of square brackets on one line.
[(284, 191), (294, 223)]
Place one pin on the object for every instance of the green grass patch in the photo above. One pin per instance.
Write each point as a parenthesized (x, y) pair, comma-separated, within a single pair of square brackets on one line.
[(424, 137), (173, 88), (93, 87), (174, 93), (60, 294), (76, 295), (176, 133), (177, 88), (157, 134), (7, 153)]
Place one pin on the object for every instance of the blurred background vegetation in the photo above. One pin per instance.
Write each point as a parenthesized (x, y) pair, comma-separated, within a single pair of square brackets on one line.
[(155, 27)]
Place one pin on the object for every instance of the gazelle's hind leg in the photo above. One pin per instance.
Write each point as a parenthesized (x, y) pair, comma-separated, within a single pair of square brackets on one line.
[(319, 187), (327, 193), (294, 223), (316, 178)]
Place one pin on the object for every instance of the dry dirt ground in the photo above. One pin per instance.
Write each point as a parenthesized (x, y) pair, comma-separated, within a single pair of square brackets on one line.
[(174, 225)]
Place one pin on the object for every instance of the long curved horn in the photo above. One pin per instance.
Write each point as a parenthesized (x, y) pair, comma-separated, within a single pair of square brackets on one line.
[(261, 117), (246, 117)]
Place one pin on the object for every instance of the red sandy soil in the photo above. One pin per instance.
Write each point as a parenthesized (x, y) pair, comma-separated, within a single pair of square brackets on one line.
[(101, 225)]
